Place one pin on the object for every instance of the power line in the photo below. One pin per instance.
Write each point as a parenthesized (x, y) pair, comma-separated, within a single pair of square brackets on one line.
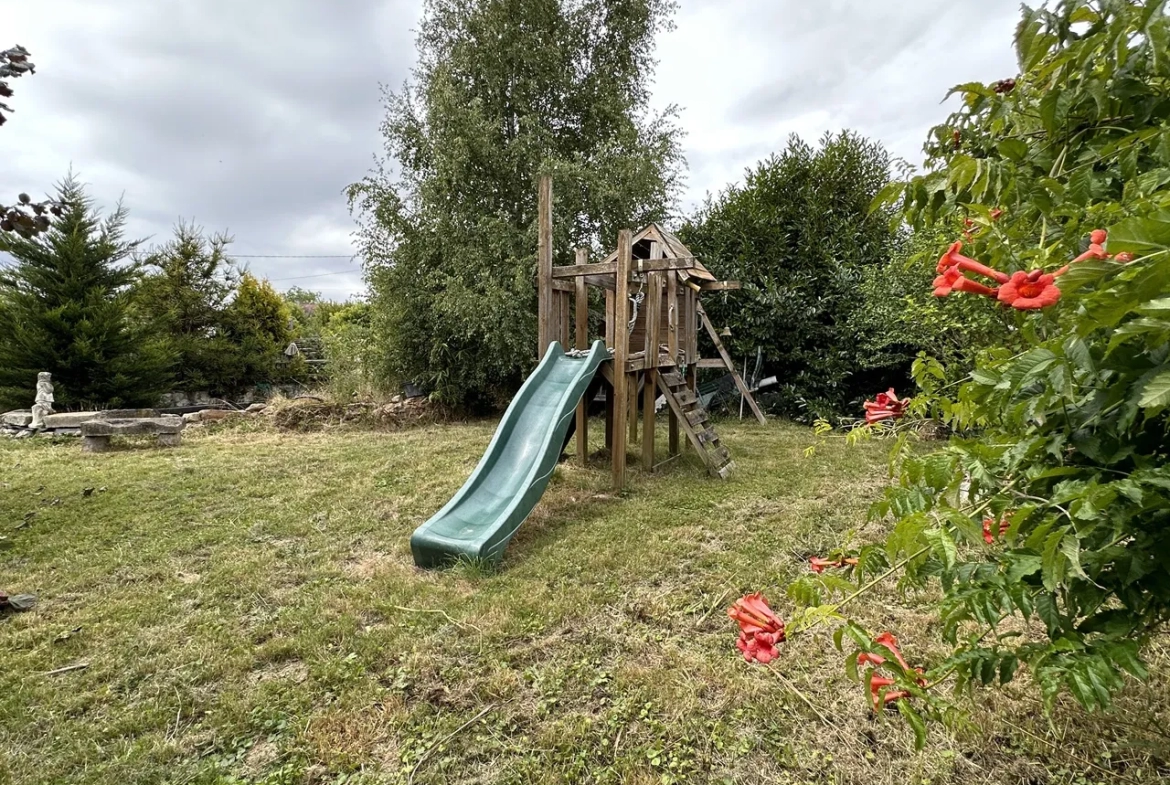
[(287, 256), (318, 275)]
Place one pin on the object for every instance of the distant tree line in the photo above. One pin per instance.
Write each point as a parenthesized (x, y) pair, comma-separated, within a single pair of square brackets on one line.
[(118, 325)]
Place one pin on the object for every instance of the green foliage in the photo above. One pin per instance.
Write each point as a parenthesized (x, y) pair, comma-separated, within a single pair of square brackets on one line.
[(65, 308), (899, 318), (799, 235), (505, 90), (1068, 438), (348, 343), (184, 299), (256, 323)]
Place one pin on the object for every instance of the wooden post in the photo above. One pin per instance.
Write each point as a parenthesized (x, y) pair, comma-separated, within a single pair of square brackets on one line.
[(672, 324), (650, 392), (565, 334), (581, 302), (621, 351), (632, 398), (609, 318), (544, 260), (609, 403)]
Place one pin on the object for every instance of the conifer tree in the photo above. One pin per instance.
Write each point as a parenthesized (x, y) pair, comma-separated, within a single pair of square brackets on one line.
[(184, 298), (65, 308)]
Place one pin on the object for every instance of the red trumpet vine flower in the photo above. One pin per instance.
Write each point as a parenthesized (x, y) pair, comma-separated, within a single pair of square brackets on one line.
[(759, 647), (759, 628), (953, 259), (989, 534), (752, 614), (876, 684), (1029, 291), (885, 406), (818, 565), (1124, 257)]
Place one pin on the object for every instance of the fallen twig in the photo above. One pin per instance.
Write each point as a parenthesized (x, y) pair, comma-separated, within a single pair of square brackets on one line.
[(807, 700), (711, 610), (444, 740), (79, 666)]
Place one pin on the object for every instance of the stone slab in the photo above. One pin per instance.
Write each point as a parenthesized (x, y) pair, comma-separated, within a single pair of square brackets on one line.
[(128, 414), (69, 419), (18, 419), (141, 426)]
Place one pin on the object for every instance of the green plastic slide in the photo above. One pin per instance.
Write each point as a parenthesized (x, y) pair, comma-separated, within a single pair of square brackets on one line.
[(481, 518)]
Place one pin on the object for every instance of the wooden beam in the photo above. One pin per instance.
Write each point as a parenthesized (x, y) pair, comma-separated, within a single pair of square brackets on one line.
[(712, 363), (581, 304), (743, 389), (639, 266), (544, 263), (605, 282), (577, 270), (621, 348), (719, 286), (563, 286)]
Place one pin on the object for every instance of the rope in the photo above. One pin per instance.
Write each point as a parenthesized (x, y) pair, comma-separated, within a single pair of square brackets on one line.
[(636, 300)]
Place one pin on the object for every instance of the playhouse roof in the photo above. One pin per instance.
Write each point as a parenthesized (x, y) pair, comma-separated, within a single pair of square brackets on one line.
[(671, 247)]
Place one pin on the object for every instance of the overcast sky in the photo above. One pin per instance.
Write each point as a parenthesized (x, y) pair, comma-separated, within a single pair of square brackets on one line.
[(253, 116)]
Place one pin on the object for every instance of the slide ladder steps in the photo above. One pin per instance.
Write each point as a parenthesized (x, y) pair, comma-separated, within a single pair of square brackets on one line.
[(695, 421)]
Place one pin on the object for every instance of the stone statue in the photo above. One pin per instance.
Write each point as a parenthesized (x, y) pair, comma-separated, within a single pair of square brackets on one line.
[(44, 401)]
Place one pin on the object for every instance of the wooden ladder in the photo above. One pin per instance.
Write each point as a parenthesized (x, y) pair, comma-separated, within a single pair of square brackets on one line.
[(694, 420)]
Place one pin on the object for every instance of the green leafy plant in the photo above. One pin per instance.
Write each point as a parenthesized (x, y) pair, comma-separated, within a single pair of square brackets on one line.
[(506, 91), (1051, 505), (799, 235)]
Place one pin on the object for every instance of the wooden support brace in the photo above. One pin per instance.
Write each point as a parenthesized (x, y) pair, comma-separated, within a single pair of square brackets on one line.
[(739, 382)]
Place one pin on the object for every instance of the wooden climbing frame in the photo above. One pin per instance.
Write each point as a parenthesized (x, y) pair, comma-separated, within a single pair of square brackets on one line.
[(652, 284)]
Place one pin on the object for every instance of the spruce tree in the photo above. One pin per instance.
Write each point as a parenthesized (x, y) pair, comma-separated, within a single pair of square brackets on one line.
[(184, 298), (65, 308), (506, 90)]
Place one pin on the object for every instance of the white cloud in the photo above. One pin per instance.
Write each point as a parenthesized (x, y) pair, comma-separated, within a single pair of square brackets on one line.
[(253, 116)]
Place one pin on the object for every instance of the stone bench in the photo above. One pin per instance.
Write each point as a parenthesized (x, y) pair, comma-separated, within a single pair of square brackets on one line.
[(95, 434)]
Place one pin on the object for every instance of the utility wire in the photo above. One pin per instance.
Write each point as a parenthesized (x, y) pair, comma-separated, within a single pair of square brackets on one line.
[(318, 275)]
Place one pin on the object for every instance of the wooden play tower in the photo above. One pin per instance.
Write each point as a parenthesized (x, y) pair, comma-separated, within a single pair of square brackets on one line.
[(652, 285)]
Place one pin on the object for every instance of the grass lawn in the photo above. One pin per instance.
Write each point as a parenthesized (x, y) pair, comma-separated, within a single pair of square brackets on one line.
[(249, 612)]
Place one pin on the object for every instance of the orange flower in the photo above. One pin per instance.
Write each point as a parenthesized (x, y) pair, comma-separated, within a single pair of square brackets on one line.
[(818, 565), (989, 535), (951, 258), (944, 283), (759, 628), (1029, 291), (876, 684), (753, 615), (1124, 257)]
